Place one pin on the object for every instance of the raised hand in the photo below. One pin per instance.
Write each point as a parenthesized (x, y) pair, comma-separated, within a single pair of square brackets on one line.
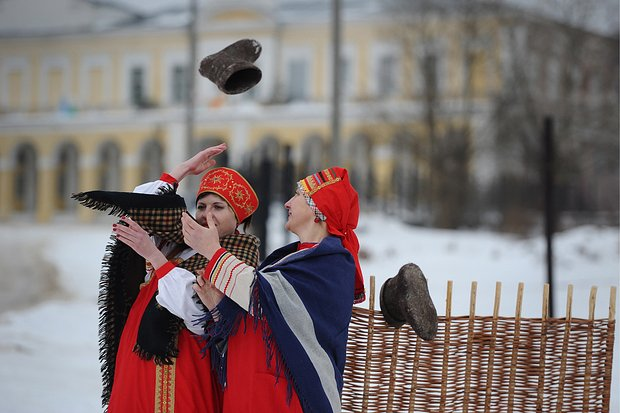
[(139, 240), (198, 163), (205, 240)]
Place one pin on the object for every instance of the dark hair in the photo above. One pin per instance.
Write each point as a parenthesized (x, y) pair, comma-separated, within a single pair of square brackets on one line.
[(247, 223)]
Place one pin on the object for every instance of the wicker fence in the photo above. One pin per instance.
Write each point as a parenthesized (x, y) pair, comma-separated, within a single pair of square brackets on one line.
[(481, 364)]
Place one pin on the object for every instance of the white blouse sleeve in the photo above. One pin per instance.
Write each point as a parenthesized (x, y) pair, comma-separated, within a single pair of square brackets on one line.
[(151, 187), (177, 296)]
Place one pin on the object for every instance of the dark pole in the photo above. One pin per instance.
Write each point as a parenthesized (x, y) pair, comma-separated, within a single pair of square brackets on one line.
[(190, 77), (190, 95), (336, 86), (548, 159)]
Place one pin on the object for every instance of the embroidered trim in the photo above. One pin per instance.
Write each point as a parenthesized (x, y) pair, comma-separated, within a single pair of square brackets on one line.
[(313, 183), (164, 388)]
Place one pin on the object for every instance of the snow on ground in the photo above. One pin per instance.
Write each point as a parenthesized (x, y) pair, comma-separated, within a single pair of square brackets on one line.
[(49, 351)]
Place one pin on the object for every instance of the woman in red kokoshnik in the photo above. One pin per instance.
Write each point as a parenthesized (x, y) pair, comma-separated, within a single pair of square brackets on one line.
[(288, 353), (159, 368)]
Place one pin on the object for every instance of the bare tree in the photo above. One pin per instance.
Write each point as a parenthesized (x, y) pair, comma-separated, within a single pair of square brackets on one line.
[(555, 66), (482, 100)]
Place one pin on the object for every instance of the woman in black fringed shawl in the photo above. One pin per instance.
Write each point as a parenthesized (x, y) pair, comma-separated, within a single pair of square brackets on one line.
[(156, 364)]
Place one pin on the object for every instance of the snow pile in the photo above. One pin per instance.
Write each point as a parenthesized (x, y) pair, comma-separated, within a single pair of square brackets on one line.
[(48, 329)]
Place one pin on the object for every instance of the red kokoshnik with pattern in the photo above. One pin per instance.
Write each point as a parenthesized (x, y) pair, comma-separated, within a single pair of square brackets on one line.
[(234, 188)]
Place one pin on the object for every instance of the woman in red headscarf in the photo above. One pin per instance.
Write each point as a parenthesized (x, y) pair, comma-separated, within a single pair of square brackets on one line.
[(290, 353), (159, 366)]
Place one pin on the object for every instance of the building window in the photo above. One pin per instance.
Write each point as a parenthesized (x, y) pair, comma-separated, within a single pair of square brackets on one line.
[(15, 75), (136, 84), (387, 76), (347, 78), (298, 80), (179, 83), (428, 83), (152, 161), (54, 90), (15, 88), (109, 167), (66, 177), (25, 179), (430, 75), (477, 66), (95, 87)]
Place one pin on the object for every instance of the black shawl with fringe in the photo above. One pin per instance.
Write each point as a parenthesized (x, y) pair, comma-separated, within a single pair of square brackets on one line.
[(123, 271)]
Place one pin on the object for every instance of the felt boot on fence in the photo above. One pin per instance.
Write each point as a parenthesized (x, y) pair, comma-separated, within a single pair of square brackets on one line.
[(406, 299), (232, 68)]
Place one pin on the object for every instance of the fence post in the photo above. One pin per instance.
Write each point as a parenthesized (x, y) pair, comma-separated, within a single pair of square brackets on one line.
[(371, 330)]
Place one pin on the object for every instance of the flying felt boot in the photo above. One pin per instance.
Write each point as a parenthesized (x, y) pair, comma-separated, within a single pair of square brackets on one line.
[(232, 68), (405, 299)]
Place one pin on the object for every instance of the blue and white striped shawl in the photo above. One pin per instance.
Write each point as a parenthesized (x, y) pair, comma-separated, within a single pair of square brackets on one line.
[(307, 298)]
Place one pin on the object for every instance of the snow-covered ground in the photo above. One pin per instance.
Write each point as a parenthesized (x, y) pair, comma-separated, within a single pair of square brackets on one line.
[(49, 281)]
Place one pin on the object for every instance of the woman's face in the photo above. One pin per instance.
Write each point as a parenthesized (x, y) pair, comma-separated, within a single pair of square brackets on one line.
[(223, 215), (300, 214)]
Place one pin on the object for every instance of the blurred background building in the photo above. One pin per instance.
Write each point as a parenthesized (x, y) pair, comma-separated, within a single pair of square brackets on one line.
[(442, 103)]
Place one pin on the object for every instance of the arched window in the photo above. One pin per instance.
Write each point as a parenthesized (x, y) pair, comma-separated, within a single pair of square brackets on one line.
[(361, 171), (312, 157), (67, 175), (109, 167), (25, 179), (151, 162)]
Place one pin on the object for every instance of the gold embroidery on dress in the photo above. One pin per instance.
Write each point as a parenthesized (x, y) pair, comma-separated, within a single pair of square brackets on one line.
[(164, 388), (165, 374)]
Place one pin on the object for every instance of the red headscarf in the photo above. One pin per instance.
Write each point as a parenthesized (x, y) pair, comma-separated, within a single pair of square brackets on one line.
[(234, 188), (331, 192)]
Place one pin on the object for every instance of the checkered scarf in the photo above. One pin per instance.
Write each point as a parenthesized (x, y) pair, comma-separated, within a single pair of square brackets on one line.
[(123, 271), (317, 212)]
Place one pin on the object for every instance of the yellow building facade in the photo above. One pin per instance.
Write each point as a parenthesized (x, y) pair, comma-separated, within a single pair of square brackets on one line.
[(87, 110)]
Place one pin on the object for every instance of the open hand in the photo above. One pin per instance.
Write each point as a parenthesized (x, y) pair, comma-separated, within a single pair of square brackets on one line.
[(198, 163), (138, 240)]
